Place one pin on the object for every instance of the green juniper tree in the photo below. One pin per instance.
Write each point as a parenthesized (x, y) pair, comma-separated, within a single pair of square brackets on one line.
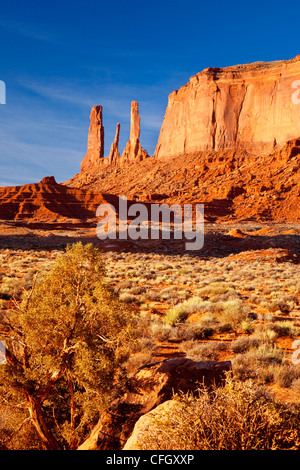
[(65, 342)]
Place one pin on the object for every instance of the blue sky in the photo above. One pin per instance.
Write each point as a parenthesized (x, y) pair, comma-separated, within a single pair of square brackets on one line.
[(58, 59)]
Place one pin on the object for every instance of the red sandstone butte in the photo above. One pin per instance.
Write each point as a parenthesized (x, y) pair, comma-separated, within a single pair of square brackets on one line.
[(95, 147), (246, 106)]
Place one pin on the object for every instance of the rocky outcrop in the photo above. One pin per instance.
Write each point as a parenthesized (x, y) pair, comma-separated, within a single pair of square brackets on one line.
[(94, 160), (146, 424), (49, 201), (232, 185), (253, 106), (153, 385), (114, 155), (94, 157), (133, 151)]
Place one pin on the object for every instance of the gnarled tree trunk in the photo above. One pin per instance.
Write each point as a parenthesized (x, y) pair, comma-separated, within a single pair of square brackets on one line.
[(38, 419)]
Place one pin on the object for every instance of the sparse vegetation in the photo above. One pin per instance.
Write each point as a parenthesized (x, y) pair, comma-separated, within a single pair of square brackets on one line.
[(203, 351), (208, 309), (238, 416)]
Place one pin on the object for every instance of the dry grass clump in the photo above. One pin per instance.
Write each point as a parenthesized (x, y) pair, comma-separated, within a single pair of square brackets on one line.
[(245, 343), (259, 357), (217, 288), (266, 363), (128, 298), (284, 328), (229, 315), (209, 351), (205, 327), (238, 416), (235, 313), (284, 375), (253, 362), (161, 331), (181, 311)]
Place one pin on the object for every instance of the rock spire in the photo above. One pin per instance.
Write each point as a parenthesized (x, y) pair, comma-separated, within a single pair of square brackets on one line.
[(133, 150), (114, 155), (95, 146)]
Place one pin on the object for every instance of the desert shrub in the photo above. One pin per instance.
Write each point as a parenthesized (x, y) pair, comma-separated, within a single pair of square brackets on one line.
[(267, 334), (160, 331), (256, 299), (284, 328), (202, 331), (203, 351), (182, 332), (175, 315), (205, 327), (128, 298), (254, 362), (181, 311), (126, 284), (67, 342), (282, 302), (265, 316), (168, 295), (247, 325), (280, 305), (216, 288), (238, 416), (245, 343), (152, 295), (231, 314), (283, 375), (234, 312), (11, 287), (183, 294)]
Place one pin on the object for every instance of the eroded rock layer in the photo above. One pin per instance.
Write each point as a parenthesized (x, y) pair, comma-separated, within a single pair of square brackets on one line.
[(48, 201), (232, 184)]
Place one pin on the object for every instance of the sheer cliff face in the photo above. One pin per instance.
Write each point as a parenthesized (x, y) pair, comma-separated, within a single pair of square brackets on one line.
[(251, 106)]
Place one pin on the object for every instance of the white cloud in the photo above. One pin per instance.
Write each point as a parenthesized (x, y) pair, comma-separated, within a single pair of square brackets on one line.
[(28, 30)]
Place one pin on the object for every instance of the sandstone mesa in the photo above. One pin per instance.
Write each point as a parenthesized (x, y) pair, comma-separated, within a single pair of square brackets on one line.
[(245, 106)]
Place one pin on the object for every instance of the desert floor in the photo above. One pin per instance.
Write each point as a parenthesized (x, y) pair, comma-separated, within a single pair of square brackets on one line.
[(235, 299)]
